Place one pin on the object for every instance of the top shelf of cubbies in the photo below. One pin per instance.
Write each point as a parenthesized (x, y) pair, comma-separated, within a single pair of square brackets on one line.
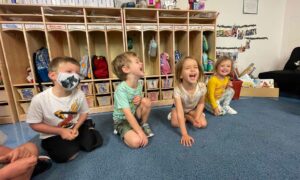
[(163, 16), (103, 15), (63, 14), (19, 13), (135, 15), (202, 17)]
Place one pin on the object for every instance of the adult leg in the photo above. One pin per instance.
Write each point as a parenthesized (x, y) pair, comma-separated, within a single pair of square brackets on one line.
[(61, 150), (22, 168)]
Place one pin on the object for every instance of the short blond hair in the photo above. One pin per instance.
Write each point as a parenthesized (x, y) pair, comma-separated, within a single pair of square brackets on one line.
[(53, 65), (120, 61), (179, 67)]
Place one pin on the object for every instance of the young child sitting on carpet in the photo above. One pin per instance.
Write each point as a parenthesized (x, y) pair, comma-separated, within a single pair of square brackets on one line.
[(189, 94), (219, 88), (60, 112), (131, 109)]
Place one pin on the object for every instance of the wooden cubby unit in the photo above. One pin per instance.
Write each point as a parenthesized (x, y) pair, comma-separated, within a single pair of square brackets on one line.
[(85, 32)]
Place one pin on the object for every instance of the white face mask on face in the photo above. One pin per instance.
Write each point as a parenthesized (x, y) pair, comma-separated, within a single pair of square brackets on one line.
[(69, 81)]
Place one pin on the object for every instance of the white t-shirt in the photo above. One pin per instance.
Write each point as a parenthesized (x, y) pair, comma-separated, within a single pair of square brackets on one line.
[(190, 101), (56, 111)]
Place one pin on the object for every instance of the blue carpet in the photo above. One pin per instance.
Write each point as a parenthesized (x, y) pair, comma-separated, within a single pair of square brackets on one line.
[(261, 142)]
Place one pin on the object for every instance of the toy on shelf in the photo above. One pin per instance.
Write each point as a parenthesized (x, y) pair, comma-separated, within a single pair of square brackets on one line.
[(29, 77)]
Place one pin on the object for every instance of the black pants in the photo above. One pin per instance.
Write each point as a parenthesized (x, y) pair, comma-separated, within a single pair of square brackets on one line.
[(61, 150)]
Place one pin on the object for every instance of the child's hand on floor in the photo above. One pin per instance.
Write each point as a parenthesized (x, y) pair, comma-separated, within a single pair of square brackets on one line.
[(67, 134), (187, 140), (217, 111)]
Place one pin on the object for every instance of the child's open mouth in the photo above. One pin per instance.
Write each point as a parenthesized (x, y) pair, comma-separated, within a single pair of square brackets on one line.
[(192, 76)]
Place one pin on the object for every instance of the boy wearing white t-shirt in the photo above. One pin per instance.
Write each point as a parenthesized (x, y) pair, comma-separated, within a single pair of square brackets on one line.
[(60, 112)]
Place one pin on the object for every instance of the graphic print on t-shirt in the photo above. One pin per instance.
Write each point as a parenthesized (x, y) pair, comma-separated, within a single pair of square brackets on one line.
[(67, 116)]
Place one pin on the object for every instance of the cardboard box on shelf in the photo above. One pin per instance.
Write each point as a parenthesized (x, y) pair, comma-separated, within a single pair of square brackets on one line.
[(259, 92)]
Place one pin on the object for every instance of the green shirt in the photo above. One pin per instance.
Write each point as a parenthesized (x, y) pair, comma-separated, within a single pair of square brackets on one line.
[(123, 98)]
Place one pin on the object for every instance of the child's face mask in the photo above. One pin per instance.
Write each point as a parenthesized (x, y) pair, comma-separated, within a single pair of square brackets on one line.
[(69, 81)]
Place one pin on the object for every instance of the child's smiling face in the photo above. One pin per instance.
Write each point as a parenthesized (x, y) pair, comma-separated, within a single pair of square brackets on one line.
[(224, 68), (190, 71)]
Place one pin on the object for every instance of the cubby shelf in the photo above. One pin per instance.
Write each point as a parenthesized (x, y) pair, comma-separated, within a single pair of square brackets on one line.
[(87, 31)]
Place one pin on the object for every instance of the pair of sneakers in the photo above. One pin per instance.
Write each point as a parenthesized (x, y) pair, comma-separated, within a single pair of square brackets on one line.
[(43, 163), (228, 110), (146, 128)]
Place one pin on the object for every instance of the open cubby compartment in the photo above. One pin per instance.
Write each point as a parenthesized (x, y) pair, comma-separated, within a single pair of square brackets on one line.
[(63, 14), (17, 63), (202, 17), (153, 95), (36, 39), (26, 93), (58, 44), (152, 83), (181, 44), (102, 87), (19, 13), (151, 64), (166, 44), (86, 88), (115, 84), (167, 82), (195, 44), (140, 15), (115, 44), (90, 101), (104, 100), (78, 44), (103, 15), (97, 43), (134, 42), (4, 110), (167, 94), (173, 16), (3, 95), (25, 106), (211, 40)]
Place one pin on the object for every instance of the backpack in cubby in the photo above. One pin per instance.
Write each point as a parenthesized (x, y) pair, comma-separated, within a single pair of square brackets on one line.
[(165, 67), (85, 66), (41, 63), (100, 67)]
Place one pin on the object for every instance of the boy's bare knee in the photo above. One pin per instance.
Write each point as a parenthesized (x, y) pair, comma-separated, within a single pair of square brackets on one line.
[(134, 142), (146, 102)]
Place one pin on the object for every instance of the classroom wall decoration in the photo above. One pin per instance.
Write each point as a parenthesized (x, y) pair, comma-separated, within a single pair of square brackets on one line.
[(247, 33)]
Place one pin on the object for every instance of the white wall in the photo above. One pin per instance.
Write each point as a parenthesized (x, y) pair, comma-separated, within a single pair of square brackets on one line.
[(291, 30), (265, 54)]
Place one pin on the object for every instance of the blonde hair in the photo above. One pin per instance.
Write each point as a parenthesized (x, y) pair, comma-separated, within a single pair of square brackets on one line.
[(53, 65), (222, 59), (120, 61), (179, 67)]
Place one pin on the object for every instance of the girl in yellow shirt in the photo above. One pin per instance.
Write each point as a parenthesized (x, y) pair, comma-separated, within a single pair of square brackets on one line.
[(219, 88)]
